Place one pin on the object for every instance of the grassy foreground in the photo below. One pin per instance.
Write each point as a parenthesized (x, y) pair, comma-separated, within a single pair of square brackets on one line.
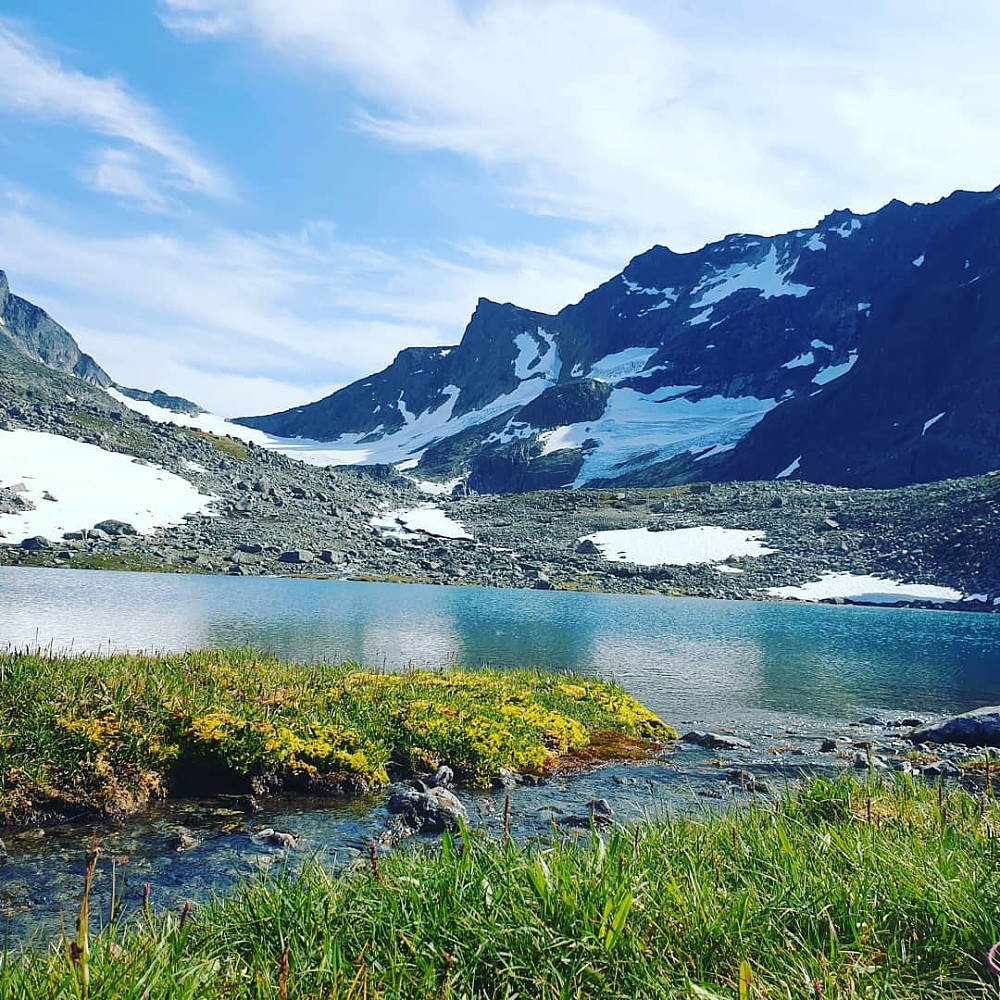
[(106, 735), (838, 890)]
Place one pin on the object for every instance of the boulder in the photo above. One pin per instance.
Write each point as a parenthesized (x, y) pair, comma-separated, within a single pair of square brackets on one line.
[(600, 813), (112, 526), (269, 837), (587, 547), (431, 811), (941, 768), (296, 556), (715, 741), (36, 543), (979, 728)]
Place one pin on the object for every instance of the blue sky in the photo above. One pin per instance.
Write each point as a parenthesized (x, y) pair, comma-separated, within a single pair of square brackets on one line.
[(251, 202)]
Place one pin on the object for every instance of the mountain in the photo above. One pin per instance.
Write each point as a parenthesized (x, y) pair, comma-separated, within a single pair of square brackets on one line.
[(31, 331), (864, 351)]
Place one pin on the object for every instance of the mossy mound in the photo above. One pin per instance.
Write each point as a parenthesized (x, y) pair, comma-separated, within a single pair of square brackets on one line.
[(108, 734)]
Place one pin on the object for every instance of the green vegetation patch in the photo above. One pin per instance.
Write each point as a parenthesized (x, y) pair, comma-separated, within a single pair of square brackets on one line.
[(110, 733), (893, 891), (227, 445)]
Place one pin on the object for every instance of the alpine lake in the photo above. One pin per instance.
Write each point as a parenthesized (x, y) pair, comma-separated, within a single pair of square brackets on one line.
[(783, 676)]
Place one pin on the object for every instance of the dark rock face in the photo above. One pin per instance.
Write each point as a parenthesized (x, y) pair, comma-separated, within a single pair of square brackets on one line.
[(33, 332), (860, 352), (178, 404), (980, 728)]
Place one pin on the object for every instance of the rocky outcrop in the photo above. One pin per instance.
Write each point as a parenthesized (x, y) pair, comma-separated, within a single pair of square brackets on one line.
[(33, 332), (980, 728)]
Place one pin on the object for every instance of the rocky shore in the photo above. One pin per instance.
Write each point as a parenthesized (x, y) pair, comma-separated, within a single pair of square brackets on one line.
[(278, 516)]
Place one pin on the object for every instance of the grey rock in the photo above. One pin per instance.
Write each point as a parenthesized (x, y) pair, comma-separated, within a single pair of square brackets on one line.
[(941, 768), (431, 811), (875, 763), (36, 543), (980, 728), (599, 813), (828, 746), (715, 741), (112, 526), (443, 777), (297, 556), (504, 778), (269, 837), (587, 547)]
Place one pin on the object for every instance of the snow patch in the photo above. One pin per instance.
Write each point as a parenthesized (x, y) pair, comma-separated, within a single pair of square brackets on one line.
[(818, 345), (615, 367), (680, 547), (802, 361), (537, 356), (90, 485), (848, 228), (437, 489), (702, 317), (638, 429), (918, 261), (768, 276), (930, 423), (865, 590), (717, 449), (816, 242), (832, 372), (425, 519), (789, 469)]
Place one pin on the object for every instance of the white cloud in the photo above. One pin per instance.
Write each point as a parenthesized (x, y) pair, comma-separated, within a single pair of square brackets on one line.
[(36, 84), (688, 119), (224, 317)]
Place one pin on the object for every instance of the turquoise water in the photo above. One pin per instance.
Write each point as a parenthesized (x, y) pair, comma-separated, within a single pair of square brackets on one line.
[(762, 669), (693, 661)]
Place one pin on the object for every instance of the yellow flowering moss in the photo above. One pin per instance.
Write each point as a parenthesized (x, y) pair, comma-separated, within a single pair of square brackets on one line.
[(109, 729)]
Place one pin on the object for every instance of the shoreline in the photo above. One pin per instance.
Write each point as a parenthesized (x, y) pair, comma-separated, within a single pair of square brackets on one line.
[(790, 889)]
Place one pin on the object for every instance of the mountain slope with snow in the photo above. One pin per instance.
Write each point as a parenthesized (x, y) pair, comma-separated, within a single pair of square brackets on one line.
[(861, 351)]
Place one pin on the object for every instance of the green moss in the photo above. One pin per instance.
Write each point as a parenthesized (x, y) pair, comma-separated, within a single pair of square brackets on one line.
[(110, 733)]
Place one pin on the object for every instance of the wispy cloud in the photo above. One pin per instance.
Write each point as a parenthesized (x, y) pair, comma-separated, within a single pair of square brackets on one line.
[(37, 84), (251, 322), (690, 120)]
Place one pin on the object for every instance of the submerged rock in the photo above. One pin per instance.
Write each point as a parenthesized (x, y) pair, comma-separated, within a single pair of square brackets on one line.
[(599, 813), (980, 728)]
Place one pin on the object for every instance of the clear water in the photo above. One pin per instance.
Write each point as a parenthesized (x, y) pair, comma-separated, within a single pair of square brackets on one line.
[(693, 661), (761, 669)]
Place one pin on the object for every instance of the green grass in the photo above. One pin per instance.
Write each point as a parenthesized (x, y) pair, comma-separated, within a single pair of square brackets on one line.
[(840, 890), (109, 734)]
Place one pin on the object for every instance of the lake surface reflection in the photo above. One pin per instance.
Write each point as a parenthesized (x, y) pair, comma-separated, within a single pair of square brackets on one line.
[(693, 661)]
